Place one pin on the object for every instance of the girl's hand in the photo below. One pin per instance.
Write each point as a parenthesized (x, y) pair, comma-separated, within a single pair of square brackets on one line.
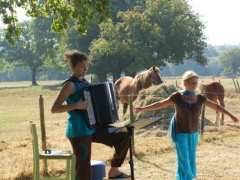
[(138, 109), (235, 119), (81, 105)]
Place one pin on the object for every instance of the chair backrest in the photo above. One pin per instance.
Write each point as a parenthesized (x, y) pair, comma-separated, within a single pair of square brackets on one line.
[(34, 140)]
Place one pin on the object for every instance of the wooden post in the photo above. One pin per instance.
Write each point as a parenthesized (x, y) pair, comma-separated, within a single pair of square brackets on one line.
[(132, 119), (202, 120), (131, 109), (43, 132), (236, 89), (238, 85)]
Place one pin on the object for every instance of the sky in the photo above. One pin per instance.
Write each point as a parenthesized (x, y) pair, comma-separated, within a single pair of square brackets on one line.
[(221, 19)]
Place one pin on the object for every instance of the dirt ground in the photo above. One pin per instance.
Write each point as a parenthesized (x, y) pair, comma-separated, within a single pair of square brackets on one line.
[(218, 152)]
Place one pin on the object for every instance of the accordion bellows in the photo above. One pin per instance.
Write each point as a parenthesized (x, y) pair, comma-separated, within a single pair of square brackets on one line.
[(102, 107)]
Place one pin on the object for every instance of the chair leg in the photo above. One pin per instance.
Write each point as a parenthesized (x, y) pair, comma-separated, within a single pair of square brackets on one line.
[(73, 167), (36, 171), (68, 170)]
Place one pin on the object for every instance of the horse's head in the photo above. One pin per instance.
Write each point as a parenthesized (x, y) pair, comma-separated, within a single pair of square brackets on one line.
[(147, 78), (154, 75)]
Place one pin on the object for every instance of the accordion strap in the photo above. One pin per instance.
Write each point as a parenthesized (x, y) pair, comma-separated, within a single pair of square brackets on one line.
[(85, 83)]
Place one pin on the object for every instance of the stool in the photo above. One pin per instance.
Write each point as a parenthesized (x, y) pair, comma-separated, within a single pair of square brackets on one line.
[(98, 171)]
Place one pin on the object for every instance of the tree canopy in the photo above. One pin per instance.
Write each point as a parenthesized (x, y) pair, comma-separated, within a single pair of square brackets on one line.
[(154, 33), (64, 13), (230, 61)]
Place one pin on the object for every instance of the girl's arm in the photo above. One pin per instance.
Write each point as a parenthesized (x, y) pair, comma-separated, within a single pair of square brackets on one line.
[(217, 107), (155, 106), (67, 90)]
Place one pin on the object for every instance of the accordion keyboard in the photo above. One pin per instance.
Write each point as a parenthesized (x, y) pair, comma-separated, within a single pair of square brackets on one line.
[(92, 120)]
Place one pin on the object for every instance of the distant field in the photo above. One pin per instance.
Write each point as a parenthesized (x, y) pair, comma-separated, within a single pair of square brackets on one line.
[(26, 83), (218, 156)]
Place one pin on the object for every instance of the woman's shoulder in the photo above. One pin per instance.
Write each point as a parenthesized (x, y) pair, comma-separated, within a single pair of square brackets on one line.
[(68, 85)]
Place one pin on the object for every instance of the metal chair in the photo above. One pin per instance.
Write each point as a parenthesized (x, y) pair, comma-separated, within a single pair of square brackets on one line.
[(50, 154)]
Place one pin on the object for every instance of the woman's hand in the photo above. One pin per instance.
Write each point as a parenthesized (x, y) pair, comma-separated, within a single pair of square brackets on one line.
[(235, 119), (81, 105)]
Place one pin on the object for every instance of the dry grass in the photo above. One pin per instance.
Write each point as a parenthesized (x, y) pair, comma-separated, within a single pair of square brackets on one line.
[(218, 155)]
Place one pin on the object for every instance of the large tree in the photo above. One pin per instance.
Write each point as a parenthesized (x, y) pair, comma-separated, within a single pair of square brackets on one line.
[(36, 45), (230, 61), (155, 33), (76, 40)]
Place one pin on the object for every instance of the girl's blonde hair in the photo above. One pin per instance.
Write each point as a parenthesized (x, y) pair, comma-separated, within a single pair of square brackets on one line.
[(188, 75)]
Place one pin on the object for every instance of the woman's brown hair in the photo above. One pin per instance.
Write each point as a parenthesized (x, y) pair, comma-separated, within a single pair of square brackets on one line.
[(74, 57)]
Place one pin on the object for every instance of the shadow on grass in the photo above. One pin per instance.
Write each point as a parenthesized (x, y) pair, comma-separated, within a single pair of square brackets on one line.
[(24, 176), (140, 157), (28, 176)]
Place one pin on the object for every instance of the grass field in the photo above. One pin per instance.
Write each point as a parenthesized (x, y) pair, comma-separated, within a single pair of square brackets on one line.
[(218, 155)]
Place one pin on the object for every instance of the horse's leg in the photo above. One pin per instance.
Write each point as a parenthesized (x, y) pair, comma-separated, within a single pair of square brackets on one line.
[(217, 119), (125, 106), (202, 120), (217, 116), (221, 101)]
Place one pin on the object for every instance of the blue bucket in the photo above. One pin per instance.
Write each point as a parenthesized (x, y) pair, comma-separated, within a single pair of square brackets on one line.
[(98, 171)]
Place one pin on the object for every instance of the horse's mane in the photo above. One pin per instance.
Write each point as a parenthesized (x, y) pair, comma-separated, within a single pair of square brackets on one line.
[(141, 79), (142, 75)]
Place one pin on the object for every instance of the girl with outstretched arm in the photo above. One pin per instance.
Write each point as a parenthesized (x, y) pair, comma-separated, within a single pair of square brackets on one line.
[(184, 125)]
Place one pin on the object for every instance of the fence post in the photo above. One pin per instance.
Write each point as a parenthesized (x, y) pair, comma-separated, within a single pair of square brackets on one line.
[(43, 132), (236, 89), (202, 123), (238, 85), (132, 119)]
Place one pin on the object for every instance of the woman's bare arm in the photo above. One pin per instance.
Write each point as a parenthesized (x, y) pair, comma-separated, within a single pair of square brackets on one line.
[(59, 107), (155, 106), (219, 108)]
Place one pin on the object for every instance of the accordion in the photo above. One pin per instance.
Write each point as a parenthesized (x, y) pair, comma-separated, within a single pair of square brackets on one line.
[(102, 107)]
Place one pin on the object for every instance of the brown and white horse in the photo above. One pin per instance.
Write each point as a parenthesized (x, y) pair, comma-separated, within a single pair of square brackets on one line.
[(215, 92), (127, 86)]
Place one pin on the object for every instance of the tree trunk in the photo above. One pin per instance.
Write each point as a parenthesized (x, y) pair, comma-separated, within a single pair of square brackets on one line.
[(34, 74)]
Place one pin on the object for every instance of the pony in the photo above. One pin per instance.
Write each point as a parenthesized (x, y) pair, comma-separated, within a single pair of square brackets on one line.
[(127, 86), (215, 92)]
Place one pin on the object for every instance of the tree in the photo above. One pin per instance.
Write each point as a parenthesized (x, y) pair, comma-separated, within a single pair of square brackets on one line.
[(230, 61), (111, 55), (83, 41), (154, 33), (35, 46), (79, 13)]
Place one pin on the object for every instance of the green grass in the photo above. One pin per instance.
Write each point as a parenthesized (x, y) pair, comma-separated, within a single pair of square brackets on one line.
[(19, 102), (19, 105)]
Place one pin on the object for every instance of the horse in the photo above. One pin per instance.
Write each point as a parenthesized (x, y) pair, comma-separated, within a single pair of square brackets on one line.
[(127, 86), (215, 92)]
